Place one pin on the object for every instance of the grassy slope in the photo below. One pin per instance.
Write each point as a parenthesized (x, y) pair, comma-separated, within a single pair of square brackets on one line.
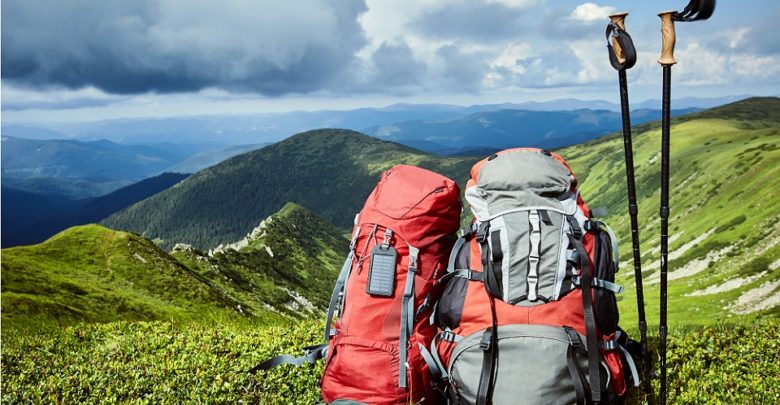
[(725, 166), (91, 273), (96, 274), (330, 171), (307, 255)]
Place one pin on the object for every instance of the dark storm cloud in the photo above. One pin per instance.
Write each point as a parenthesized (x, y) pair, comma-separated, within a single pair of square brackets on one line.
[(396, 66), (473, 21), (130, 47), (461, 70)]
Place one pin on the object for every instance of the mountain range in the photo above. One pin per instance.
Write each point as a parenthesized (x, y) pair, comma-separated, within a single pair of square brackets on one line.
[(724, 250), (508, 127), (30, 217), (330, 170)]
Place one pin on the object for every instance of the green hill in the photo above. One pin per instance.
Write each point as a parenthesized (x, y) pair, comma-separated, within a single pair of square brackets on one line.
[(329, 170), (91, 273), (96, 274), (287, 264), (725, 216)]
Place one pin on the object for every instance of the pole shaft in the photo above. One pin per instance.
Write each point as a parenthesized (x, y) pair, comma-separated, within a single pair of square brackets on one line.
[(664, 214), (633, 213)]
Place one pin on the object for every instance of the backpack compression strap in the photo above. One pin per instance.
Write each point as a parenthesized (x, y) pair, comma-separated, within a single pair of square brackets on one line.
[(311, 354), (407, 314), (587, 302), (338, 289)]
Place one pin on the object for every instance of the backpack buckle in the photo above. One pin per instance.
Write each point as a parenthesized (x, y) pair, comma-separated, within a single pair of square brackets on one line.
[(482, 232), (486, 341), (591, 225)]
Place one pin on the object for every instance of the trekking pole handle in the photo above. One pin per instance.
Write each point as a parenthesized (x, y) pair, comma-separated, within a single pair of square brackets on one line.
[(618, 19), (667, 38)]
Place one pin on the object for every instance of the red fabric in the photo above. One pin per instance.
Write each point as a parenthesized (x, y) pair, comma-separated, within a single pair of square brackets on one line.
[(422, 208)]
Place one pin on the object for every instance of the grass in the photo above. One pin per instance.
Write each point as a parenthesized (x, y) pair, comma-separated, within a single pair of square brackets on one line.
[(206, 362), (723, 180), (91, 273)]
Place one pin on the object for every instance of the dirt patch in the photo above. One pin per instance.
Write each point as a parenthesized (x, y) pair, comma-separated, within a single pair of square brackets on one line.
[(693, 267), (729, 285), (764, 297)]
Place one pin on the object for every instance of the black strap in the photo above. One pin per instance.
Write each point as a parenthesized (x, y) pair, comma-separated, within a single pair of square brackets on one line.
[(576, 346), (492, 285), (696, 10), (497, 256), (311, 354), (590, 323), (489, 346), (484, 396), (626, 43)]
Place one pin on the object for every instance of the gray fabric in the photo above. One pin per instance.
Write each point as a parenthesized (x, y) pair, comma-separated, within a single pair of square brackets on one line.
[(532, 367), (524, 178), (346, 402), (516, 243)]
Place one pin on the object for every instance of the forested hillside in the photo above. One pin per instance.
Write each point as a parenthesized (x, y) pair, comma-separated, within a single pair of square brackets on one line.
[(331, 171)]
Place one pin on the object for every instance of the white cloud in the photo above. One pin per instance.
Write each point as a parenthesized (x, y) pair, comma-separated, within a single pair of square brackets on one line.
[(590, 12)]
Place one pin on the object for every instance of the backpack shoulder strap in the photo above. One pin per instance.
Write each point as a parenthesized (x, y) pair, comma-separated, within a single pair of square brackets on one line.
[(338, 289)]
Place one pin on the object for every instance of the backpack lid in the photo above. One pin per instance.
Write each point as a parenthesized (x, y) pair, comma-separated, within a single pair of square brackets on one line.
[(527, 177), (420, 205)]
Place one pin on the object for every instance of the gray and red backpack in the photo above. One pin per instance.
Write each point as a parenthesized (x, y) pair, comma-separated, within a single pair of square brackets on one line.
[(528, 314)]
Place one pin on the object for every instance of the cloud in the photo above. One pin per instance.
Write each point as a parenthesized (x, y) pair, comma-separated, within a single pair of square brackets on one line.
[(472, 21), (591, 12), (460, 70), (395, 67), (131, 47)]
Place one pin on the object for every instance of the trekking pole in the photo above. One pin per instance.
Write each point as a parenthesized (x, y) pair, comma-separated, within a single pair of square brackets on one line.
[(695, 10), (622, 56)]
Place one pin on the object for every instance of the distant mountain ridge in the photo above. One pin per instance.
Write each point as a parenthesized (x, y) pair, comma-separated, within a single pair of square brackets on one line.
[(94, 161), (272, 127), (508, 127), (330, 170), (33, 217)]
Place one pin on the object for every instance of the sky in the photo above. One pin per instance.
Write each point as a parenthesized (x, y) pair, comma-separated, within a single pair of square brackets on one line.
[(90, 60)]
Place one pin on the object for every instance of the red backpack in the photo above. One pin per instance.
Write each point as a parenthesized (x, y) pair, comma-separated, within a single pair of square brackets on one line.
[(377, 349), (529, 314)]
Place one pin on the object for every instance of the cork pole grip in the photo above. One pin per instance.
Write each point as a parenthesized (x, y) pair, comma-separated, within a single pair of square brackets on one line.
[(667, 39), (620, 20)]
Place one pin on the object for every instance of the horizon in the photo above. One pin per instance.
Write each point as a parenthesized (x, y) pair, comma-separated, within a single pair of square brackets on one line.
[(164, 60)]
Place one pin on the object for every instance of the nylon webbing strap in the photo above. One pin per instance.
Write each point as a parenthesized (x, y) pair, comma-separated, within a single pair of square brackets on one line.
[(454, 254), (626, 43), (486, 376), (338, 289), (497, 256), (615, 247), (407, 314), (631, 365), (433, 368), (533, 256), (590, 323), (575, 346), (599, 283), (312, 354)]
